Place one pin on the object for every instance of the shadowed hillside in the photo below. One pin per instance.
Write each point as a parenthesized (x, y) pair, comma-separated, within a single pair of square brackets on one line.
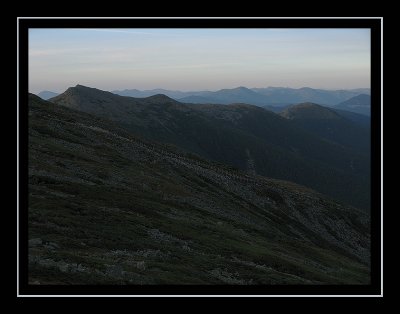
[(331, 125), (107, 207)]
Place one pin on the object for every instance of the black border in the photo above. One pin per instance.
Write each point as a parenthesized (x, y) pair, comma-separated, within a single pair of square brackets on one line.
[(373, 289)]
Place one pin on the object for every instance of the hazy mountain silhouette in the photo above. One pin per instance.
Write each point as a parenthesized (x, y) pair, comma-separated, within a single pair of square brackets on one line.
[(146, 93), (307, 94), (228, 96), (360, 104), (272, 96), (47, 94)]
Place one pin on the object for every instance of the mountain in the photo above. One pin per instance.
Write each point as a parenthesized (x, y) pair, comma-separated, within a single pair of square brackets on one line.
[(276, 108), (309, 112), (228, 96), (47, 94), (361, 91), (244, 136), (329, 125), (225, 96), (108, 207), (306, 94), (359, 104), (270, 96), (358, 119), (193, 99), (151, 92)]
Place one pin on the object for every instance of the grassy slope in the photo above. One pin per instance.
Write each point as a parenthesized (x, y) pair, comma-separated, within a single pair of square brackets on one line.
[(107, 207)]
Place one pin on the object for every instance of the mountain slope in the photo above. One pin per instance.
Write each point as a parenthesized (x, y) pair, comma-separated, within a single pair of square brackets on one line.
[(106, 207), (306, 94), (309, 111), (193, 99), (360, 120), (227, 96), (237, 95), (359, 104), (151, 92), (330, 125), (240, 135)]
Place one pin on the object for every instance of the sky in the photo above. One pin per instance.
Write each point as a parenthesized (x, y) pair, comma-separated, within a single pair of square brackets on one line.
[(198, 59)]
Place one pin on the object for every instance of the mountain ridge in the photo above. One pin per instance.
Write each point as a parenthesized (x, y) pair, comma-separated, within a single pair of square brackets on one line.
[(239, 135), (45, 95), (329, 124), (359, 104), (255, 96), (309, 111)]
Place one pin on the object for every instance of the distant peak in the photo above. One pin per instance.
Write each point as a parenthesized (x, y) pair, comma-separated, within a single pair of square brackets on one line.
[(83, 87), (241, 88), (307, 105), (309, 110), (76, 87), (160, 97), (84, 92)]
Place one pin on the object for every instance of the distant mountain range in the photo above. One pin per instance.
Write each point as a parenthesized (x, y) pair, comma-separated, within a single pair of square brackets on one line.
[(229, 96), (256, 96), (244, 136), (270, 96), (47, 94), (109, 207), (360, 104), (306, 94)]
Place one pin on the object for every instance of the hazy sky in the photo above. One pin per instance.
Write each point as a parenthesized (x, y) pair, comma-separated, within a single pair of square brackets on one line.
[(198, 59)]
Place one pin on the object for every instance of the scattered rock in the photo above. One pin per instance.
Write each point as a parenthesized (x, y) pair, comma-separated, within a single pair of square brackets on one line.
[(51, 246), (186, 247), (35, 242), (141, 265), (115, 271), (63, 266)]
